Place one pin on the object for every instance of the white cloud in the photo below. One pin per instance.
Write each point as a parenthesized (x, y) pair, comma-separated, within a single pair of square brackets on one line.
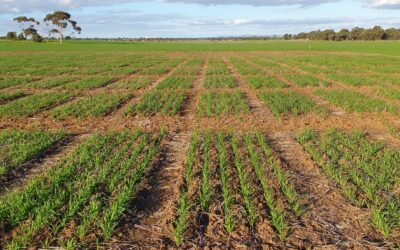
[(22, 6), (384, 4), (26, 6), (254, 2)]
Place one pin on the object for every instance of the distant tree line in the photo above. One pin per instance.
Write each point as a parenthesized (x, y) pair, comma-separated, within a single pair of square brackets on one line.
[(372, 34), (54, 25)]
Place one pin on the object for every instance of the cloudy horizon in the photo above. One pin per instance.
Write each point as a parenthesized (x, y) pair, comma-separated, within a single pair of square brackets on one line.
[(206, 18)]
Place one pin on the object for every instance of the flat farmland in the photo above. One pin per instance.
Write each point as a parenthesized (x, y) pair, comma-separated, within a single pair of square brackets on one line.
[(141, 148)]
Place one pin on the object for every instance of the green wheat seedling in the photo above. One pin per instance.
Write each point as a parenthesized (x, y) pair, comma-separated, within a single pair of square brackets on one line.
[(226, 194), (119, 202), (188, 174), (90, 83), (191, 68), (176, 82), (117, 176), (88, 216), (244, 68), (361, 169), (290, 193), (138, 82), (257, 82), (205, 194), (159, 68), (217, 66), (222, 104), (88, 186), (291, 102), (11, 96), (355, 102), (18, 146), (16, 206), (167, 103), (32, 104), (14, 81), (50, 83), (304, 80), (277, 215), (181, 222), (94, 106), (47, 211), (245, 189), (219, 81)]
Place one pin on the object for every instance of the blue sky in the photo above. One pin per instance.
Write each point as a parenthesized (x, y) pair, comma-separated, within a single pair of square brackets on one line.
[(206, 18)]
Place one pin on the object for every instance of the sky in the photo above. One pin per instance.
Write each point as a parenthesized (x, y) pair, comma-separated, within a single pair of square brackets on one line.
[(206, 18)]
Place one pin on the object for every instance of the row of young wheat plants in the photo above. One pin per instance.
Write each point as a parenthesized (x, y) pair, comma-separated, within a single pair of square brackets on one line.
[(366, 172), (184, 76), (352, 101), (235, 156), (284, 103), (161, 68), (19, 146), (218, 75), (256, 76), (46, 72), (146, 74), (92, 106), (166, 103), (11, 96), (222, 103), (184, 203), (90, 190), (32, 104)]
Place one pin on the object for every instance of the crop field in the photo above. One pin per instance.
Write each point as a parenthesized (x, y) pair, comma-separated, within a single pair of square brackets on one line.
[(199, 145)]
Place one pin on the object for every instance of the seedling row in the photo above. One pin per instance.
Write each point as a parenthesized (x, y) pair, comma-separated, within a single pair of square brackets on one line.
[(239, 177), (255, 76), (81, 200), (184, 76), (366, 172), (218, 75), (213, 104)]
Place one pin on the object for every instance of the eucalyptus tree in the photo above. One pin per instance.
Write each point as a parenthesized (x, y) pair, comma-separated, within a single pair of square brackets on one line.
[(59, 22), (27, 25)]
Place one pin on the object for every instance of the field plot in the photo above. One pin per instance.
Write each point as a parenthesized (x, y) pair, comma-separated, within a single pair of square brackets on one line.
[(257, 82), (14, 81), (231, 182), (10, 96), (89, 83), (167, 103), (82, 199), (291, 102), (49, 83), (366, 172), (218, 75), (162, 68), (97, 105), (19, 146), (32, 104), (137, 82), (184, 76), (355, 102), (306, 80), (222, 103), (256, 77), (105, 148), (390, 93)]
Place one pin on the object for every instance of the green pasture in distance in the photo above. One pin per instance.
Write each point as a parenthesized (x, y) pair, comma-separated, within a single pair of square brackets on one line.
[(380, 47)]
